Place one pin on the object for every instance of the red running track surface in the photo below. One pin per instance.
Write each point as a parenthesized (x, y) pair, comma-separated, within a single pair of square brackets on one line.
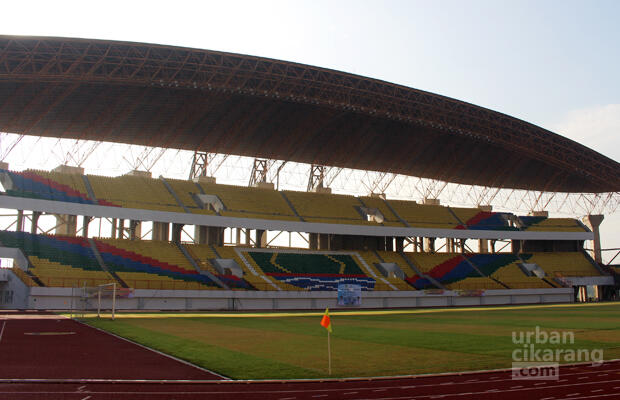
[(47, 346), (108, 379)]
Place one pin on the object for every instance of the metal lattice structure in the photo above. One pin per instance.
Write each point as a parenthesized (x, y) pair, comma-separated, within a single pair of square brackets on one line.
[(234, 104)]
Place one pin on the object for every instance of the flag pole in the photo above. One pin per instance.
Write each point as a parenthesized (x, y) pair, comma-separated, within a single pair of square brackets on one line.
[(329, 353)]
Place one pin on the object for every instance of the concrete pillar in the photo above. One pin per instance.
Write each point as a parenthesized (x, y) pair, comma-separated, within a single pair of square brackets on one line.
[(323, 241), (113, 229), (483, 245), (261, 238), (450, 245), (248, 236), (161, 231), (461, 245), (35, 222), (429, 245), (66, 224), (400, 244), (177, 229), (215, 235), (200, 234), (85, 221), (594, 222), (313, 239), (135, 229), (20, 221), (238, 236), (492, 244)]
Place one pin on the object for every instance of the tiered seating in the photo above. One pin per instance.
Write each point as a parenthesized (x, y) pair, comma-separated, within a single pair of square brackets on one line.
[(312, 271), (246, 202), (474, 218), (260, 281), (451, 270), (184, 190), (564, 264), (393, 257), (203, 253), (47, 186), (424, 216), (134, 192), (55, 274), (58, 260), (24, 277), (504, 268), (327, 208), (371, 259), (145, 272), (379, 204), (551, 224)]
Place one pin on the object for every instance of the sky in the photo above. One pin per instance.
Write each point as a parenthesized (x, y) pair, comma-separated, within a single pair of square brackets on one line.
[(552, 63)]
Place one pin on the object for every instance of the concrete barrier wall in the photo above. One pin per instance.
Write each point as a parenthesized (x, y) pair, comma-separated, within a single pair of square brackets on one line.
[(66, 298)]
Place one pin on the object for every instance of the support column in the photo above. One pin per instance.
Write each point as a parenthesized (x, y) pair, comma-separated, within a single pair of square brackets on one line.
[(389, 243), (121, 229), (85, 221), (161, 231), (238, 236), (200, 234), (483, 245), (113, 229), (66, 224), (400, 244), (20, 221), (261, 238), (313, 239), (135, 229), (450, 245), (215, 235), (429, 245), (35, 222), (177, 229), (594, 222), (323, 241)]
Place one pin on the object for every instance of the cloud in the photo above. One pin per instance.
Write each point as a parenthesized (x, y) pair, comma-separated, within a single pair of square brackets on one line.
[(597, 128)]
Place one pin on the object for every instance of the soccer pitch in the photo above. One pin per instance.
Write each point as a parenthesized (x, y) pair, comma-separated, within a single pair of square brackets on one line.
[(374, 343)]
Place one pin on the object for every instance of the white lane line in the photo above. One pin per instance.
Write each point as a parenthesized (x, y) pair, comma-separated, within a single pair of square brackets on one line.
[(2, 331), (548, 398), (87, 397), (81, 388), (596, 391), (573, 394), (350, 393)]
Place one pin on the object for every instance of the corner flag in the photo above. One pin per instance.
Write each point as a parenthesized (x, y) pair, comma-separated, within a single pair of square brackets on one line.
[(326, 322)]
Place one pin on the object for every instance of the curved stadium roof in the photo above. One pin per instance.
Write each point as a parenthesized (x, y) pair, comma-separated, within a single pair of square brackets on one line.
[(229, 103)]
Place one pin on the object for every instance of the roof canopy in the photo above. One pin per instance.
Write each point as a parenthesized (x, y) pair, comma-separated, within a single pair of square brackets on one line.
[(228, 103)]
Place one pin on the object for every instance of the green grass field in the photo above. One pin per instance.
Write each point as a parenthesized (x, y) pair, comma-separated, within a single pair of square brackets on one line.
[(290, 345)]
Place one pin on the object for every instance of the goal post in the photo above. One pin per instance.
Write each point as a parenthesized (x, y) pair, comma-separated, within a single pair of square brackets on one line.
[(100, 289)]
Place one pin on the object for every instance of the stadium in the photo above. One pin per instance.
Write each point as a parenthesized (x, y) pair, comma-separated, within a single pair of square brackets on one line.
[(162, 254)]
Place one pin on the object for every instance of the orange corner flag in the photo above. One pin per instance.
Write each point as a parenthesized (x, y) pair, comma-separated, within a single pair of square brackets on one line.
[(326, 322)]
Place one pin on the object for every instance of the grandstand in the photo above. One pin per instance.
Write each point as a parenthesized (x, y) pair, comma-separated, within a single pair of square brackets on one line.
[(196, 243)]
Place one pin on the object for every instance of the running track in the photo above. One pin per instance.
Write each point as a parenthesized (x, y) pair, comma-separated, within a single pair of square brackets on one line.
[(60, 366)]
